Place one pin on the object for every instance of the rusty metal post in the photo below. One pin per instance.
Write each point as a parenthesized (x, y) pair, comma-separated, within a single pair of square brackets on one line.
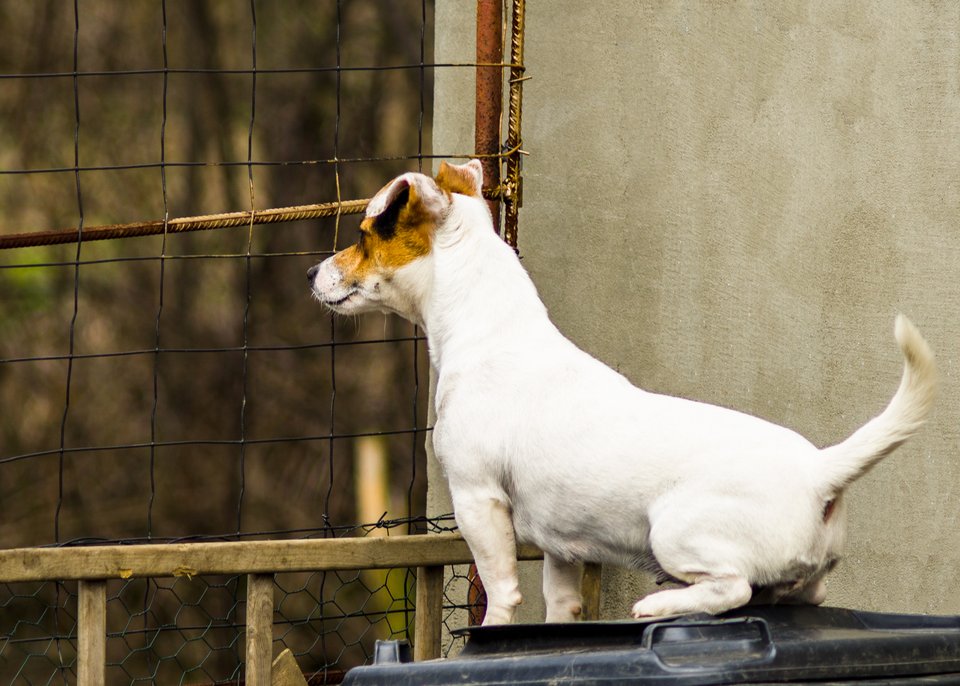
[(489, 102), (488, 116)]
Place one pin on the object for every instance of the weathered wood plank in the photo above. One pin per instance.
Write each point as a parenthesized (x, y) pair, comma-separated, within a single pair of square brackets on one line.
[(257, 670), (286, 671), (92, 633), (429, 616), (590, 591), (247, 557)]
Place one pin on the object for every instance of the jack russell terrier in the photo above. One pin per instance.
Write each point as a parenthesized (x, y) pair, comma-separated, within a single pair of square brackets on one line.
[(543, 444)]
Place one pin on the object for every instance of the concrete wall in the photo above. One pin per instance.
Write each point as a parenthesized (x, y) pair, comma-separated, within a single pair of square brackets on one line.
[(730, 201)]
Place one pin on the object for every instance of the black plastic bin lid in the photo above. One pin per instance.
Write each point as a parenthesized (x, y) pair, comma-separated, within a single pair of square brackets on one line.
[(754, 645)]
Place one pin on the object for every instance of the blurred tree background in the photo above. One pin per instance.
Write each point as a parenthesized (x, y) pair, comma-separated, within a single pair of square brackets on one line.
[(204, 393), (202, 125)]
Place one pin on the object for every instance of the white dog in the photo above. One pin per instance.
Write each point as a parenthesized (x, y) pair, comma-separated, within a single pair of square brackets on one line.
[(543, 444)]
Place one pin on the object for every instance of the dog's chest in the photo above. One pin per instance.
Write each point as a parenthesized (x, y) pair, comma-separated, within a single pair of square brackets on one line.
[(473, 427)]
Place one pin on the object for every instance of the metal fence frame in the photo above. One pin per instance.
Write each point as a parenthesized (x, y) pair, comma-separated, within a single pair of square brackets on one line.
[(259, 561)]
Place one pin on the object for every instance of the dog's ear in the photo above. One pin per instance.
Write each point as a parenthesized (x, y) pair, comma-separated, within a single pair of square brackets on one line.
[(466, 179), (417, 192)]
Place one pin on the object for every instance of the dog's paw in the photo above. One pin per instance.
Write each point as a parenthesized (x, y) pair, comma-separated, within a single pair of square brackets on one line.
[(653, 605), (559, 613), (712, 595), (501, 609), (499, 615)]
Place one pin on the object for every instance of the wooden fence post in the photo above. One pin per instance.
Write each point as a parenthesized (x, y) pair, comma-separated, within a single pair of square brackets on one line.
[(92, 633), (590, 591), (259, 629), (429, 613)]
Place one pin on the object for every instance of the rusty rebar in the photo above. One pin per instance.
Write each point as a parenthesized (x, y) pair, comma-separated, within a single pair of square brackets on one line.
[(199, 223), (513, 183), (489, 95), (182, 224)]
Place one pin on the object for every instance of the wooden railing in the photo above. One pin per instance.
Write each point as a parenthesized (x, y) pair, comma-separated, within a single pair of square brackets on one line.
[(259, 560)]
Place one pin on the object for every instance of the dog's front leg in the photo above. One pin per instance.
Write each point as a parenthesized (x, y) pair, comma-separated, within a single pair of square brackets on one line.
[(486, 524), (561, 589)]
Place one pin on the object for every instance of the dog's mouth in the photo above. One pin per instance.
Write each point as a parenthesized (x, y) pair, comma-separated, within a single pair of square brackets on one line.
[(335, 302)]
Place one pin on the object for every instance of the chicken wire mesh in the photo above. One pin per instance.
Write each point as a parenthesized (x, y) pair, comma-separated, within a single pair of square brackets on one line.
[(190, 629), (181, 386)]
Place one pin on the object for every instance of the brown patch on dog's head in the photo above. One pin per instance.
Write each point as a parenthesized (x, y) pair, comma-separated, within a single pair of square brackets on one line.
[(399, 234), (466, 179)]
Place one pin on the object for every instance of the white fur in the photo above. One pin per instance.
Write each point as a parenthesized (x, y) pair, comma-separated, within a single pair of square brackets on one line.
[(544, 444)]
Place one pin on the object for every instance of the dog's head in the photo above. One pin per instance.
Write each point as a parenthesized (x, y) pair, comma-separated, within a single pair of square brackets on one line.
[(388, 268)]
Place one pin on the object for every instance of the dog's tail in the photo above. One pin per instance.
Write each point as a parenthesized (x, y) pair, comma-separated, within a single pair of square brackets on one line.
[(845, 462)]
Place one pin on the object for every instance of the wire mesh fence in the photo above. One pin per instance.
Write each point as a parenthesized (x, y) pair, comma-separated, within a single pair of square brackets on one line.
[(189, 628), (151, 351), (175, 384)]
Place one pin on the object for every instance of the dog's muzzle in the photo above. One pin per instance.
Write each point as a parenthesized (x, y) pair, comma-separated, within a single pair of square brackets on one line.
[(327, 285)]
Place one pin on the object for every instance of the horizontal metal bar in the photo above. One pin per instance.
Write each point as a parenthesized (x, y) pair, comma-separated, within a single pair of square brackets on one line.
[(168, 258), (241, 72), (213, 442), (183, 224), (230, 349), (440, 524), (186, 224), (248, 163)]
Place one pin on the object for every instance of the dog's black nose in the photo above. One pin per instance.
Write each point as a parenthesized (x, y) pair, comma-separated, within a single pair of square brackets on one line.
[(312, 273)]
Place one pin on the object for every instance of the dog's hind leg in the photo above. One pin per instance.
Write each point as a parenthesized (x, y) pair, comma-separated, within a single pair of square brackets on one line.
[(695, 545), (710, 594), (561, 589), (486, 524)]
